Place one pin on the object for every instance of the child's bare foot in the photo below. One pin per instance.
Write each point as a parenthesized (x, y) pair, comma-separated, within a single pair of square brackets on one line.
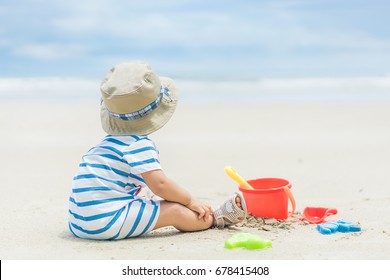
[(231, 212)]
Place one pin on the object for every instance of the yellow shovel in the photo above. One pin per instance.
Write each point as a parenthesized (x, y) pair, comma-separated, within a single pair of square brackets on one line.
[(236, 177)]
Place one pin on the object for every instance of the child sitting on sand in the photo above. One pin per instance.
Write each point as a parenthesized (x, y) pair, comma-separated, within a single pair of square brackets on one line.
[(105, 201)]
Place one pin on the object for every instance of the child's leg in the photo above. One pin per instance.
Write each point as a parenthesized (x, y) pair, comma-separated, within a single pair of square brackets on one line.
[(180, 217), (184, 219)]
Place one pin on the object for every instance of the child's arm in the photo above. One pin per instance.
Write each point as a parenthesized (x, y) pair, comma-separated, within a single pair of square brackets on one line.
[(166, 188)]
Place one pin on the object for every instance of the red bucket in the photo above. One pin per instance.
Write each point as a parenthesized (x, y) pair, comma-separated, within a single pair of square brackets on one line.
[(269, 198)]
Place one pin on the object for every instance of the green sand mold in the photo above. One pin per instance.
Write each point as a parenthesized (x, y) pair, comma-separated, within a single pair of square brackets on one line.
[(248, 241)]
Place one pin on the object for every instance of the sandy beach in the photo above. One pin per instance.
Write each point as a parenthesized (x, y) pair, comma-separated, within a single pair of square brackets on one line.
[(334, 154)]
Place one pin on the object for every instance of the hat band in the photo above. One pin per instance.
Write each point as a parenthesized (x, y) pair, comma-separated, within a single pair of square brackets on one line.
[(144, 111)]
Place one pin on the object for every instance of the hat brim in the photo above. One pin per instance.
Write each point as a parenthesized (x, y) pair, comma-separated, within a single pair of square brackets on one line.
[(145, 125)]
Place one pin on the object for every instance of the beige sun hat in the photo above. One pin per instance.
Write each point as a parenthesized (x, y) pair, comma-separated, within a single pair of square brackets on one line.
[(135, 101)]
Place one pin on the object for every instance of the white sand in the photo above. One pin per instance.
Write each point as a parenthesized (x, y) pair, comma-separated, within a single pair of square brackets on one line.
[(335, 155)]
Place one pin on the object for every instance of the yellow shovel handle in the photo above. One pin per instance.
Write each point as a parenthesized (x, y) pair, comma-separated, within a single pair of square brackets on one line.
[(236, 177)]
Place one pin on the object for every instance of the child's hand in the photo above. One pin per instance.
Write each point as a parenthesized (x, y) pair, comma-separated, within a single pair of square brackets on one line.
[(203, 210)]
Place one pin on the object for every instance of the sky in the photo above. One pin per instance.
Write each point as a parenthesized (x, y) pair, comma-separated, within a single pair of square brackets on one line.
[(199, 39)]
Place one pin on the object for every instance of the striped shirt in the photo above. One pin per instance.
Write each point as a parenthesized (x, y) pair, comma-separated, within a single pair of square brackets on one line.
[(103, 203)]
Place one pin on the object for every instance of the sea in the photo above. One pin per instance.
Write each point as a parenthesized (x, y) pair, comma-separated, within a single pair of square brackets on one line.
[(300, 90)]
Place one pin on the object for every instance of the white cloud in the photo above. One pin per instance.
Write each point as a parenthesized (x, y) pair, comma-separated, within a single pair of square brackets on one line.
[(52, 51), (327, 39), (277, 27), (172, 28)]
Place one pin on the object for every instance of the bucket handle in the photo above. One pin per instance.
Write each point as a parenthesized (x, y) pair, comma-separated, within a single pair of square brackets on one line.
[(292, 199)]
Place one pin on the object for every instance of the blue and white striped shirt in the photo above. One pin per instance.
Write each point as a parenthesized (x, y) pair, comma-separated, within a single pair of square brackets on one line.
[(103, 203)]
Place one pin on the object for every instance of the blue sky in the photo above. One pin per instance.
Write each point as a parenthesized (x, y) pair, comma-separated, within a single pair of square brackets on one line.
[(221, 39)]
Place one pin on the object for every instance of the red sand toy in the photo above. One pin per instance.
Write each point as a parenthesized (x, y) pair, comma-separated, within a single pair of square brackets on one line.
[(265, 197), (317, 215)]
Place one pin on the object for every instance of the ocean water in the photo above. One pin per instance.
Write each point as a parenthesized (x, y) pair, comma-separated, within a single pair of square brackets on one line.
[(357, 89)]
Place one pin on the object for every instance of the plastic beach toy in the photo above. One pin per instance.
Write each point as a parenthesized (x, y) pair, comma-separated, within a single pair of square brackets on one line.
[(265, 197), (236, 177), (339, 226), (248, 241), (317, 215), (270, 198)]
